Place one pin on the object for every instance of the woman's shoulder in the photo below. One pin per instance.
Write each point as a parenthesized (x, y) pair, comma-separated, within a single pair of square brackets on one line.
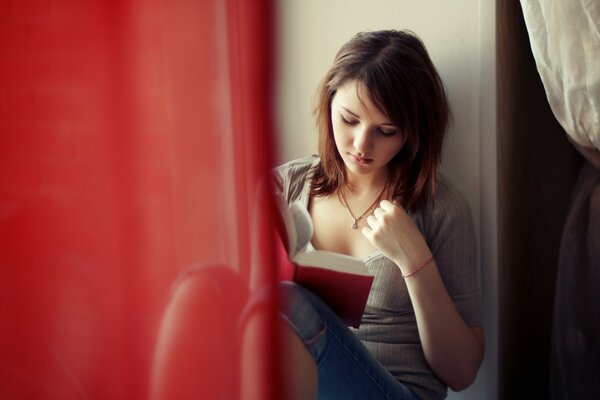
[(297, 166), (448, 194), (448, 203), (447, 218), (289, 178)]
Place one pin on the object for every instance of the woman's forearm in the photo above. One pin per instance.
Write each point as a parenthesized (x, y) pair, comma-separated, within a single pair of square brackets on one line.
[(453, 350)]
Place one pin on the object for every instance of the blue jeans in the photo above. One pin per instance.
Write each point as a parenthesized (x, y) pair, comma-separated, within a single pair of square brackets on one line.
[(346, 368)]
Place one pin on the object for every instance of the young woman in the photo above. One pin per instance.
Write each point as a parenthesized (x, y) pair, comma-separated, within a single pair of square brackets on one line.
[(374, 192)]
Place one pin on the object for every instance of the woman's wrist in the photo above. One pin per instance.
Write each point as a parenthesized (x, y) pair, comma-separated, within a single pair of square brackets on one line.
[(409, 265), (418, 267)]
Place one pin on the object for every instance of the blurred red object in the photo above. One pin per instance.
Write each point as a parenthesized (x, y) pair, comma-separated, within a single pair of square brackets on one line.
[(132, 136)]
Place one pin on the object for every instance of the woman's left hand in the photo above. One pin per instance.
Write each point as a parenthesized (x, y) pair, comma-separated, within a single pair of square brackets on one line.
[(392, 231)]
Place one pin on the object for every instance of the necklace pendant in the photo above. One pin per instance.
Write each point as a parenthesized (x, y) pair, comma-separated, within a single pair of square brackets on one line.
[(354, 225)]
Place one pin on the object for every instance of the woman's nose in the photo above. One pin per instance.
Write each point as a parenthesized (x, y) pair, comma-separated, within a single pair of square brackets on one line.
[(362, 140)]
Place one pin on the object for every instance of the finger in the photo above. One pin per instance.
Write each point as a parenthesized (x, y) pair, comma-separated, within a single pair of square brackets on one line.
[(366, 231), (387, 205), (396, 204), (378, 213), (371, 221)]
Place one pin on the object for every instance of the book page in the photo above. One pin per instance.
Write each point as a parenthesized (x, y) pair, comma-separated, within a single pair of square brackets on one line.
[(332, 261)]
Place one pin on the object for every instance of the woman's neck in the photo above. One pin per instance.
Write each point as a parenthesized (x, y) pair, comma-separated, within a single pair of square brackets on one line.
[(365, 184)]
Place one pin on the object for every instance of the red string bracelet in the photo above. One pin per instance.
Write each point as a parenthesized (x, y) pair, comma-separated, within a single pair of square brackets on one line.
[(420, 267)]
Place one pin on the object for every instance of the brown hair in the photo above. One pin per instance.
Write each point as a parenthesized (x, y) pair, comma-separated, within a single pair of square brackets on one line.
[(402, 82)]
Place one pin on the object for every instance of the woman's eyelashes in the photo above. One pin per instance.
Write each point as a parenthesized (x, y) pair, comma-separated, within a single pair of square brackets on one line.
[(386, 132), (352, 122), (348, 121)]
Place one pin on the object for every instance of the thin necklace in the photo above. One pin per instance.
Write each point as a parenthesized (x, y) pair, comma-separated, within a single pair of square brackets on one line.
[(356, 219)]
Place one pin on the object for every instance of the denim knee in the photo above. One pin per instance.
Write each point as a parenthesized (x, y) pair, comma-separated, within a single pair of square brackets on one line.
[(301, 309)]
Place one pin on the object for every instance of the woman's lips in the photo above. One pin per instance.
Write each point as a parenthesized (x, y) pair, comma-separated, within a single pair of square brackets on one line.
[(360, 160)]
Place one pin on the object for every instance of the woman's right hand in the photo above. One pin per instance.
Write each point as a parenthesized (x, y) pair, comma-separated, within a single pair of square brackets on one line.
[(391, 230)]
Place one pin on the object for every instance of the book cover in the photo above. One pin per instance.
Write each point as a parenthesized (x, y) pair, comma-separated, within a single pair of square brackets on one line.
[(341, 281)]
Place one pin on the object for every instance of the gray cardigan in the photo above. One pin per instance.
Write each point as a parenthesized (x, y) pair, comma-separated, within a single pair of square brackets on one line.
[(388, 327)]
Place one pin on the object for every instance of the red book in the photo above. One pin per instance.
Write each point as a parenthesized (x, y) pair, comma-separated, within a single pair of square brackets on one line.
[(341, 281)]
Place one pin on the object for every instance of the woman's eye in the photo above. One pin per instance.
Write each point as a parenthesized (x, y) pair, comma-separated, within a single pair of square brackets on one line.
[(387, 133), (347, 121)]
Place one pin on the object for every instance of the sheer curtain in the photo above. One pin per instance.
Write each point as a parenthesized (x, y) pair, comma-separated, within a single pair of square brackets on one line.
[(565, 41)]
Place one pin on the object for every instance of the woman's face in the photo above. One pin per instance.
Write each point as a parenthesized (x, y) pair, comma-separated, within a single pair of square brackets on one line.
[(365, 138)]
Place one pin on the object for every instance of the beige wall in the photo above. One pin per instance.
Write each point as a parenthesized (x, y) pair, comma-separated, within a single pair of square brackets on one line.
[(460, 36)]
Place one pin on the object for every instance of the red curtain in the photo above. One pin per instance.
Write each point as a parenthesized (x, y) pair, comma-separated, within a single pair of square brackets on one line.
[(132, 136)]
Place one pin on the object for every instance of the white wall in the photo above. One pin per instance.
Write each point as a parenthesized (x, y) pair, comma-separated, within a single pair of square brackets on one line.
[(460, 37)]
